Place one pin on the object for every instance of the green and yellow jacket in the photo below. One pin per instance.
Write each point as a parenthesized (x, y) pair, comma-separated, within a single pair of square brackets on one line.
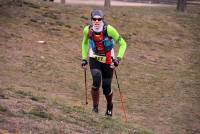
[(111, 33)]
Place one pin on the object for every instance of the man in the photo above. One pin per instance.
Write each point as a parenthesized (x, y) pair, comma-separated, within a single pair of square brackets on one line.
[(99, 39)]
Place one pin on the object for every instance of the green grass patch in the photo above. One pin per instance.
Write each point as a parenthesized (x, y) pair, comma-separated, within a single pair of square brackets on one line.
[(78, 116), (40, 113), (3, 109), (23, 93), (37, 98), (29, 94), (2, 120)]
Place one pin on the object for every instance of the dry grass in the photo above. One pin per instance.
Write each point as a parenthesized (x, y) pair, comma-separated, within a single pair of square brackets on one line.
[(42, 85)]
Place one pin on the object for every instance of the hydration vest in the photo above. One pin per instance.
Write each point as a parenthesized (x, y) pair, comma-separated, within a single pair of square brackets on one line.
[(100, 42)]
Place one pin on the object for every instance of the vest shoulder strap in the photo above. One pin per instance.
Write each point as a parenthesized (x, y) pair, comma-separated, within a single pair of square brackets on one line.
[(105, 29)]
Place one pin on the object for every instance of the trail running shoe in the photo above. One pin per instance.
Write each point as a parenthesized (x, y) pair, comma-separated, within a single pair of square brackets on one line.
[(109, 110), (95, 109)]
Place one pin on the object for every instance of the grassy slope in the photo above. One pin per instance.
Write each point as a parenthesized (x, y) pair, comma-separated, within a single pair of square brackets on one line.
[(41, 85)]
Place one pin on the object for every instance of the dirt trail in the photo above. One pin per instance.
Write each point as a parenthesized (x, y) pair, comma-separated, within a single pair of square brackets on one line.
[(113, 3)]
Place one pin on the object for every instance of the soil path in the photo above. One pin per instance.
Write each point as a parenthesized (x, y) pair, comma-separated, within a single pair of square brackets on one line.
[(113, 3)]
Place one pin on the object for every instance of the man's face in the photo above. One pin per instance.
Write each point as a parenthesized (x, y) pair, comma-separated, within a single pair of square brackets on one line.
[(96, 21)]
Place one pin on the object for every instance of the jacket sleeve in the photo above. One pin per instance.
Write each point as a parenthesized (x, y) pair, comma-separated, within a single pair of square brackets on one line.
[(85, 43), (112, 32)]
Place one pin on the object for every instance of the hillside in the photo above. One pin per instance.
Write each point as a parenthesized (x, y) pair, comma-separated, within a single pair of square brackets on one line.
[(42, 84)]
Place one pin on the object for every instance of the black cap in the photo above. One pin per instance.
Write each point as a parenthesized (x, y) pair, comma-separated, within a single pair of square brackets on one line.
[(97, 12)]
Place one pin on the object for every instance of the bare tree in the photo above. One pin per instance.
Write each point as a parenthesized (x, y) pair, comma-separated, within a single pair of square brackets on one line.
[(155, 1), (181, 5), (49, 0), (18, 2), (107, 3), (63, 1)]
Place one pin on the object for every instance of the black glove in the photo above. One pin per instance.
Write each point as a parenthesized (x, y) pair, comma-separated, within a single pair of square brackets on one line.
[(116, 62), (84, 63)]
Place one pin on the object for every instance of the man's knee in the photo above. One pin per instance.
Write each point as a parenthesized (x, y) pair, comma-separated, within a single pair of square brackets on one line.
[(106, 85), (96, 74)]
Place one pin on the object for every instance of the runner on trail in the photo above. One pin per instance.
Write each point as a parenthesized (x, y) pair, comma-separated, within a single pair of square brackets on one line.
[(98, 40)]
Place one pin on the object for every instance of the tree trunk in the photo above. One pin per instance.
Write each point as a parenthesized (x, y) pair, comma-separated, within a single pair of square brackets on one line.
[(107, 3), (181, 5), (19, 2), (155, 1), (63, 1)]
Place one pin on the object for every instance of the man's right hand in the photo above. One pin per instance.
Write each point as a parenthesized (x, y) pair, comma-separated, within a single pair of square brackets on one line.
[(84, 64)]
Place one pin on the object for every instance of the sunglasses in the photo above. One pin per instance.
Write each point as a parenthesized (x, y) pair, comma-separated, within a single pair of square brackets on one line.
[(94, 19)]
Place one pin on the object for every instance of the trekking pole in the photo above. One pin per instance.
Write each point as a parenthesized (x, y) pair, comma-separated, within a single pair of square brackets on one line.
[(86, 102), (121, 97)]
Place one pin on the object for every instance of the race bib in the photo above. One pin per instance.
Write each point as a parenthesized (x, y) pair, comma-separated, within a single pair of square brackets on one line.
[(100, 58)]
